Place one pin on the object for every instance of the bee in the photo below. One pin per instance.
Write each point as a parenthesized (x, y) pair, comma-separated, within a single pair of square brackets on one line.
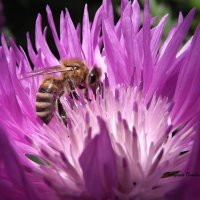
[(74, 73)]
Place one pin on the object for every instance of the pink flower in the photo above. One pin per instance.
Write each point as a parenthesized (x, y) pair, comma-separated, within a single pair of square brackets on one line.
[(141, 141)]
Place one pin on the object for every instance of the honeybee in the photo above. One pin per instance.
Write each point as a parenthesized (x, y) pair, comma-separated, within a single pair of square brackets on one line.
[(74, 73)]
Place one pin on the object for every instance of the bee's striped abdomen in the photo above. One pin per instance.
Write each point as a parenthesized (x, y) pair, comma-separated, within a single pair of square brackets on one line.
[(45, 100)]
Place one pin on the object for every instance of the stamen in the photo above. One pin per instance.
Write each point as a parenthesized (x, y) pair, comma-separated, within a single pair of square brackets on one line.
[(169, 174), (183, 152), (156, 162)]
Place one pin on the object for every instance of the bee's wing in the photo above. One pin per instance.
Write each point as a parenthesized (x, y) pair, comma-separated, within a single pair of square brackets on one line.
[(49, 70)]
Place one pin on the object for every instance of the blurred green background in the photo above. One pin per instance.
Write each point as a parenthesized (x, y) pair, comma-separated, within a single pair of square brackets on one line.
[(20, 15)]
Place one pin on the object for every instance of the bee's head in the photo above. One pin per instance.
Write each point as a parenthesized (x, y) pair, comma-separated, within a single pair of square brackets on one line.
[(94, 76)]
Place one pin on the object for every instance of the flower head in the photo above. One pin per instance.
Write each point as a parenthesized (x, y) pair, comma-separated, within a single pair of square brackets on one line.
[(130, 144)]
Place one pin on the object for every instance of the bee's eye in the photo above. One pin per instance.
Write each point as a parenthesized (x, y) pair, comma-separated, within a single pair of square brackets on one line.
[(75, 67), (92, 78)]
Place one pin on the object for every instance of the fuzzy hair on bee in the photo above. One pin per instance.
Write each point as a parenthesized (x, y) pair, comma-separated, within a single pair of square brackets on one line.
[(73, 73)]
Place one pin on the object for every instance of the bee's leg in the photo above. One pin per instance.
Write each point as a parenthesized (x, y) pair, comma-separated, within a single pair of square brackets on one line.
[(98, 88), (86, 95), (94, 91), (61, 112), (81, 87), (86, 92), (73, 93), (101, 89)]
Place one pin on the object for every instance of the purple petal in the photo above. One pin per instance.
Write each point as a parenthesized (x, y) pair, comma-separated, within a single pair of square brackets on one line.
[(136, 16), (4, 45), (129, 35), (191, 185), (116, 67), (42, 44), (63, 33), (96, 27), (108, 10), (170, 53), (147, 65), (5, 190), (187, 90), (123, 5), (54, 32), (157, 33), (36, 58), (87, 43), (170, 35), (78, 30), (31, 51), (72, 39), (14, 170), (96, 39), (8, 99), (99, 166), (19, 90)]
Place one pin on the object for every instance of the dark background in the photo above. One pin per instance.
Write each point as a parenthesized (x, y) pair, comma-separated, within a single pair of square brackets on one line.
[(20, 15)]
